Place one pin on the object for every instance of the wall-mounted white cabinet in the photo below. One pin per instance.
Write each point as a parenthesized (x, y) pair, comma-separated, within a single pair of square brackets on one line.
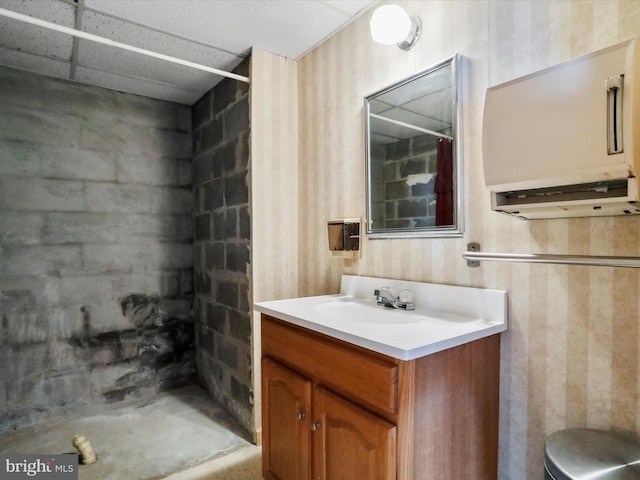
[(562, 141)]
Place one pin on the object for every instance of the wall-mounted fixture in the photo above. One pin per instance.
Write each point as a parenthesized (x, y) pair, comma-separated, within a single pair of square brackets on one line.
[(474, 256), (414, 158), (563, 142), (344, 235), (392, 24)]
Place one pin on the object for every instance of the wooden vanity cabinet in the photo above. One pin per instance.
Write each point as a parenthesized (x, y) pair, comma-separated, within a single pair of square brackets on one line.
[(286, 428), (335, 411), (350, 442)]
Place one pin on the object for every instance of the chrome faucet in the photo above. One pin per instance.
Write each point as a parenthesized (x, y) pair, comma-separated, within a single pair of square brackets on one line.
[(386, 299)]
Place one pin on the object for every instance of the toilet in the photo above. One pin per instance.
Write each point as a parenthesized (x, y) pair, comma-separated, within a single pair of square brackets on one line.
[(591, 454)]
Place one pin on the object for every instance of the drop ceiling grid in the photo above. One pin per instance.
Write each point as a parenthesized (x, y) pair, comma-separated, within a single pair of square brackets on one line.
[(216, 33), (285, 27), (101, 57), (137, 86), (35, 40), (34, 63)]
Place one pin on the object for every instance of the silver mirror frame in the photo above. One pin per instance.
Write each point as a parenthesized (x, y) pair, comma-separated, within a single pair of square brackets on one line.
[(457, 229)]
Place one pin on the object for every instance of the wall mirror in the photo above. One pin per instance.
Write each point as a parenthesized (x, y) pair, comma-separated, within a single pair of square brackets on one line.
[(414, 159)]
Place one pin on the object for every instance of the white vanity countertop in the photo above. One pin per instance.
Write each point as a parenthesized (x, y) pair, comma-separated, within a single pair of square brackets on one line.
[(445, 316)]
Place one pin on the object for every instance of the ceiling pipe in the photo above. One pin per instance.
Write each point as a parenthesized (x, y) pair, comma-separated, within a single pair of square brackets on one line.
[(123, 46)]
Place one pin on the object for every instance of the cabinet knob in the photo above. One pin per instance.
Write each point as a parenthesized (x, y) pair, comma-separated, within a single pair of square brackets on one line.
[(300, 415), (315, 426)]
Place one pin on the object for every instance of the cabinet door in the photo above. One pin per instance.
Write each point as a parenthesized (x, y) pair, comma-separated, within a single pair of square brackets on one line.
[(349, 442), (286, 426)]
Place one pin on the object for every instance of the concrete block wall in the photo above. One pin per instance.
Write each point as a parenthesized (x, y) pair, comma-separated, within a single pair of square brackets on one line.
[(409, 203), (96, 249), (222, 245)]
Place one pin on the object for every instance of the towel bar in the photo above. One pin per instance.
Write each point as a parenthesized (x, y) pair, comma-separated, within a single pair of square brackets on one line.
[(474, 256)]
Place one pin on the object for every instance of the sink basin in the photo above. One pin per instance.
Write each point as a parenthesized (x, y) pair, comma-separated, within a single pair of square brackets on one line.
[(445, 316), (367, 312)]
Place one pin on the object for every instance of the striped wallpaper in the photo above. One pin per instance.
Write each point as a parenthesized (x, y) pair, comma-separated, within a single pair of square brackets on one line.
[(571, 355), (274, 194)]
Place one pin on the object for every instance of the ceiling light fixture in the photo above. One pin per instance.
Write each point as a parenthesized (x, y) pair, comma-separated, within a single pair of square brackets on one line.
[(391, 24)]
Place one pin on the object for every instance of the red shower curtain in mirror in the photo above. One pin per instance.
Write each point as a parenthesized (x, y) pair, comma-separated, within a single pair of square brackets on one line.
[(443, 187)]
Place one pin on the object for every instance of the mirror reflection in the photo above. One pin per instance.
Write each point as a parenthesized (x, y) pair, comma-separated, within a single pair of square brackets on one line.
[(413, 160)]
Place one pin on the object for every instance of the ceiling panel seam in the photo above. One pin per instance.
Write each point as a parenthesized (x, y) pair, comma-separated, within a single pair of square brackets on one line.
[(350, 19), (79, 7), (163, 32), (144, 79), (335, 8)]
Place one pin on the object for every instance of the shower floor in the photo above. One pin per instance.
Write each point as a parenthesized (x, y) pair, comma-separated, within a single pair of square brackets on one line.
[(180, 435)]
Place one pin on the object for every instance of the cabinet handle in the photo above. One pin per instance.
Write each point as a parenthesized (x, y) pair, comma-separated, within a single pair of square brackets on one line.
[(300, 415), (315, 426)]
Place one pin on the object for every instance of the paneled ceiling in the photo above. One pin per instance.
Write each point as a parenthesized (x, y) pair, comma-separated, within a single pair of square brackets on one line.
[(215, 33)]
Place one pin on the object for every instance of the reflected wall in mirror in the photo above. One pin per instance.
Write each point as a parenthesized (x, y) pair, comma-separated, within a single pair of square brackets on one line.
[(414, 161)]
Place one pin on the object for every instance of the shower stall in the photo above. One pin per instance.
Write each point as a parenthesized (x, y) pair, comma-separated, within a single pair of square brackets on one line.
[(124, 260)]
